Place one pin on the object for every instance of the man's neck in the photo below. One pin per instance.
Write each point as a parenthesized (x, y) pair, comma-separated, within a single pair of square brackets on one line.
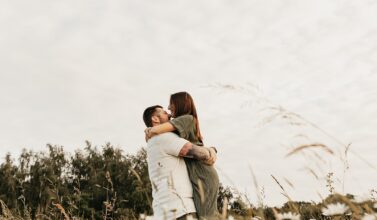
[(155, 124)]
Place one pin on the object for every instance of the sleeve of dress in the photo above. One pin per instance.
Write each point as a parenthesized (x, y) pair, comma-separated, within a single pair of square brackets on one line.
[(183, 124)]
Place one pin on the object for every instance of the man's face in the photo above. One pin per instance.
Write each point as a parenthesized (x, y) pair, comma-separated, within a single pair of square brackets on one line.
[(162, 115)]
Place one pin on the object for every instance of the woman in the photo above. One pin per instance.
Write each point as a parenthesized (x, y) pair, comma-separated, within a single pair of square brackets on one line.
[(204, 178)]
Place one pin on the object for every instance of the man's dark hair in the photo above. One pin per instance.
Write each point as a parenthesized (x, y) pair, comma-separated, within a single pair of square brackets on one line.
[(148, 113)]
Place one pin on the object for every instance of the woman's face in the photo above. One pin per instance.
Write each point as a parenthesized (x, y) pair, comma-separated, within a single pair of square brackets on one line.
[(171, 107)]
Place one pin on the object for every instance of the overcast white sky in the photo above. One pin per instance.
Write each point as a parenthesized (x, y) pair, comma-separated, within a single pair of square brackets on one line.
[(72, 71)]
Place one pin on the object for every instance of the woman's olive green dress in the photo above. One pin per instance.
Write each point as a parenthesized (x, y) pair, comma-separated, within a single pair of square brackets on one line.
[(204, 178)]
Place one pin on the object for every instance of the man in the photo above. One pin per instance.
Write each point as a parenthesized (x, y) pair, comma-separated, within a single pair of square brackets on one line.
[(171, 186)]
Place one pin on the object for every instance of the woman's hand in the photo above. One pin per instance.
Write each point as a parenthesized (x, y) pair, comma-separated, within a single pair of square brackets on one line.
[(148, 133)]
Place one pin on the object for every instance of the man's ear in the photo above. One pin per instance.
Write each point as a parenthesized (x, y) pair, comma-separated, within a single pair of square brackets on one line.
[(155, 119)]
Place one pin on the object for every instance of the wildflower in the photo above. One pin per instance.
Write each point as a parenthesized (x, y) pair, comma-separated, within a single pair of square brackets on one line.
[(190, 217), (335, 209), (288, 215), (369, 217)]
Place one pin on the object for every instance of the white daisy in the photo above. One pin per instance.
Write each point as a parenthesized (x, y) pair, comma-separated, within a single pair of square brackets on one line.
[(288, 216), (369, 217), (335, 209), (361, 198)]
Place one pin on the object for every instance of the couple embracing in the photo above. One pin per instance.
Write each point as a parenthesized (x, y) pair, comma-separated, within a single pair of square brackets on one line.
[(184, 182)]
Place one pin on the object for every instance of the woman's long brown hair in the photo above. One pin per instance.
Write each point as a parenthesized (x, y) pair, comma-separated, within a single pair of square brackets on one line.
[(184, 105)]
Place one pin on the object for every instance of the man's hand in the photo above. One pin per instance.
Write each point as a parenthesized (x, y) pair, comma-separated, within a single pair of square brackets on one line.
[(213, 157)]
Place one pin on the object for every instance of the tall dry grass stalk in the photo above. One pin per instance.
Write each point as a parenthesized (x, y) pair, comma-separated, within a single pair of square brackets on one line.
[(62, 210), (305, 146), (5, 213), (284, 193), (224, 212), (257, 96), (345, 165), (234, 188), (311, 171), (276, 214), (133, 171), (290, 115), (289, 183), (356, 212), (256, 185), (330, 182), (260, 212)]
